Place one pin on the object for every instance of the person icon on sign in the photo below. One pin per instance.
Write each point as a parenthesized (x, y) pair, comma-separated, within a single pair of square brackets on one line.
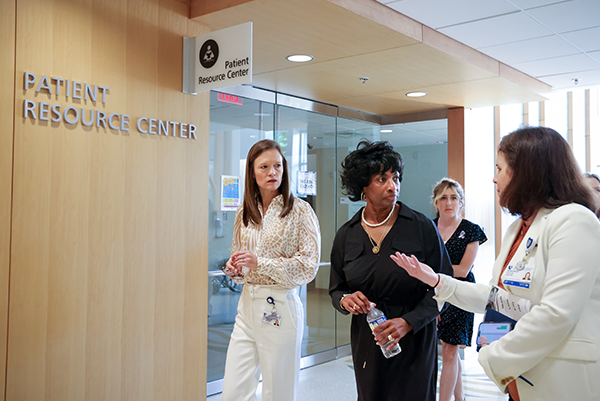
[(209, 55)]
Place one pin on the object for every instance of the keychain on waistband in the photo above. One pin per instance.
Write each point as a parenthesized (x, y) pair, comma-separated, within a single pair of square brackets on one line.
[(271, 318)]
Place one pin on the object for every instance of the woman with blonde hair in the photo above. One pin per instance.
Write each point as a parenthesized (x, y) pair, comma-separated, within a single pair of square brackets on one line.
[(462, 239)]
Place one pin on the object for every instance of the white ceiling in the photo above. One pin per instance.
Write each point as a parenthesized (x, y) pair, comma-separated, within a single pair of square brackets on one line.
[(555, 41), (352, 39)]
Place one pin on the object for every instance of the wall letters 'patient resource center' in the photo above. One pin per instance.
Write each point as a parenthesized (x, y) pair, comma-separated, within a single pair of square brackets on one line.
[(75, 91)]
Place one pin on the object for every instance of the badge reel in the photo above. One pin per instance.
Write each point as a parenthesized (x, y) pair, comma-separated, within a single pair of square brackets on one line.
[(521, 274), (271, 318)]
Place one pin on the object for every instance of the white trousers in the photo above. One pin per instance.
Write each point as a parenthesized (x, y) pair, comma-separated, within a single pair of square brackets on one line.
[(256, 346)]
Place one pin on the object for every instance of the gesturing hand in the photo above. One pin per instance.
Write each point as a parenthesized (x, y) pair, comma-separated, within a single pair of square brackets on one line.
[(415, 268)]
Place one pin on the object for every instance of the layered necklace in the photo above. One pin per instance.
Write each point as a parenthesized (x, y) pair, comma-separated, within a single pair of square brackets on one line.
[(377, 245)]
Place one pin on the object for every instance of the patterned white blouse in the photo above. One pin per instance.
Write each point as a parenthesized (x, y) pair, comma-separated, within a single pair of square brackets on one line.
[(288, 249)]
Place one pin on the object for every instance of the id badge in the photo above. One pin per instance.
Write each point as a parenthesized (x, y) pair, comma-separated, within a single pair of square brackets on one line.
[(519, 275), (273, 318)]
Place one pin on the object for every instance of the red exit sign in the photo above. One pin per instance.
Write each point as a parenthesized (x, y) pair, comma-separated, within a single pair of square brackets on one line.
[(224, 97)]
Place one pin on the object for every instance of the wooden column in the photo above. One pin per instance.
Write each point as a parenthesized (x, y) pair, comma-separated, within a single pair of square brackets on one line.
[(456, 144)]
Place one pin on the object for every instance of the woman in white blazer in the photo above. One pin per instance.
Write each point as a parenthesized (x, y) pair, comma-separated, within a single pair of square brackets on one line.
[(553, 351)]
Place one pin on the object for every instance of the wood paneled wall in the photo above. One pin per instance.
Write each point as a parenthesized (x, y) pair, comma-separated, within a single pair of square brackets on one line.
[(7, 73), (108, 270)]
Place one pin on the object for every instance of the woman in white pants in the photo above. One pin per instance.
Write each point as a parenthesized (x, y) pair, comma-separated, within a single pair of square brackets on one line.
[(276, 249)]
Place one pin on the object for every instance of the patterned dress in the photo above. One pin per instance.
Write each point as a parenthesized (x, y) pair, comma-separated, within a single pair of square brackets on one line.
[(287, 249), (456, 325)]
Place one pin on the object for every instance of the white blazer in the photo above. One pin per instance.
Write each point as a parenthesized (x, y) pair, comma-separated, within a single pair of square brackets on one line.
[(556, 345)]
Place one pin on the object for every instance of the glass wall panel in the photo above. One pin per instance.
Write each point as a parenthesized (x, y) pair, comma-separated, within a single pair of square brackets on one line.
[(557, 113), (534, 114), (308, 141), (424, 149), (511, 118), (579, 128), (595, 130), (350, 133), (479, 186), (235, 125)]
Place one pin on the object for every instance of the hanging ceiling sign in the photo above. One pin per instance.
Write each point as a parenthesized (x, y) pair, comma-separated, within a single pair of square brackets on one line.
[(218, 59)]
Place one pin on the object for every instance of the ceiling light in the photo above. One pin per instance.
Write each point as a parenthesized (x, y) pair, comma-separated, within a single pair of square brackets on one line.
[(416, 94), (385, 131), (262, 114), (299, 58)]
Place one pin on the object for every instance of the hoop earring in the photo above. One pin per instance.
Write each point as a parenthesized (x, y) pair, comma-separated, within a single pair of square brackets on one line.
[(363, 197)]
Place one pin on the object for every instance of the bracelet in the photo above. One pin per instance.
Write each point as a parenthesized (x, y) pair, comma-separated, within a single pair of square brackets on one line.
[(341, 299), (436, 284)]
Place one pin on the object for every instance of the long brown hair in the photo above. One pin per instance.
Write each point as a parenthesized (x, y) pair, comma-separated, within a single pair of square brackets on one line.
[(544, 172), (252, 192)]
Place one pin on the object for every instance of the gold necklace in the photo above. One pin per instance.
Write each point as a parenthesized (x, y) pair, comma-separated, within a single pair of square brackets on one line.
[(377, 246)]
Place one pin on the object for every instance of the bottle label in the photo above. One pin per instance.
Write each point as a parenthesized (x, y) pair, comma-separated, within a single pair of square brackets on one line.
[(377, 322)]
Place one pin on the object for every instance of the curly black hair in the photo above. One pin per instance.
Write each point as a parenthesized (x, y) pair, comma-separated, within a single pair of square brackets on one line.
[(369, 159)]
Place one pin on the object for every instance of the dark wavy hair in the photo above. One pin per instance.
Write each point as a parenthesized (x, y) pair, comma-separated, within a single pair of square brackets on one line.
[(252, 192), (369, 159), (544, 172)]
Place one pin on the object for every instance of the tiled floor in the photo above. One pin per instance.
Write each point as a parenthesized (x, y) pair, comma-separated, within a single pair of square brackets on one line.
[(334, 381)]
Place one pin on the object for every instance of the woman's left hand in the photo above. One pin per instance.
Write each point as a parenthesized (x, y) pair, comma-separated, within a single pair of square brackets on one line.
[(415, 268), (394, 328), (244, 259)]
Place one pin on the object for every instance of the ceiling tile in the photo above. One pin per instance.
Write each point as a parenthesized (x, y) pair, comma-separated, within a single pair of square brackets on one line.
[(565, 81), (595, 55), (530, 50), (525, 4), (586, 40), (568, 16), (441, 13), (498, 30), (558, 65)]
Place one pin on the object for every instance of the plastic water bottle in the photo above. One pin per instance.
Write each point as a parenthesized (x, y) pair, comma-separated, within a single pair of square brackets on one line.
[(375, 317)]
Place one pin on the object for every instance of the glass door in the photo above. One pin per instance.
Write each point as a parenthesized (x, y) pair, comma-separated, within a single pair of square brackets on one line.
[(236, 123), (308, 140)]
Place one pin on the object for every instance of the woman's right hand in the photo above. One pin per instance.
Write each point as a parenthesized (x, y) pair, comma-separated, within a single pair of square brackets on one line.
[(356, 303), (231, 270), (416, 269)]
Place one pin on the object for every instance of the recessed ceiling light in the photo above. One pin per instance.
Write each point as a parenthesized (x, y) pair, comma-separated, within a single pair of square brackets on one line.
[(262, 114), (416, 94), (385, 131), (299, 58)]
